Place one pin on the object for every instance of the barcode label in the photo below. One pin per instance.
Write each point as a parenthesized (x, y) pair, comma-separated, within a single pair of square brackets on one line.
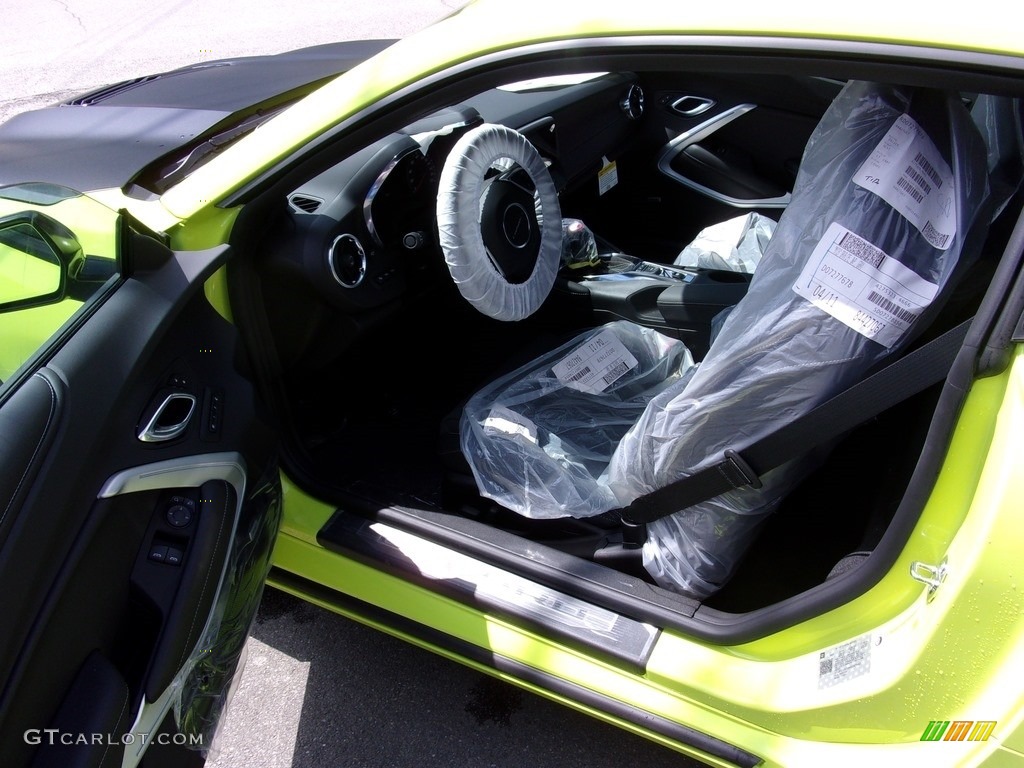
[(867, 290), (595, 364), (862, 249), (907, 171), (615, 374), (918, 179), (929, 169), (891, 307), (907, 187), (845, 662), (578, 375), (933, 236)]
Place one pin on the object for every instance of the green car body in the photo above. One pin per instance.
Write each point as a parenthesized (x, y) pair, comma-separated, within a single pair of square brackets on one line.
[(24, 329), (922, 674)]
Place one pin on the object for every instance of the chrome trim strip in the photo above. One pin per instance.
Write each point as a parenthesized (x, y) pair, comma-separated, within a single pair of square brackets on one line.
[(482, 584), (375, 188), (703, 104), (186, 472), (362, 260), (298, 208), (151, 433), (698, 133)]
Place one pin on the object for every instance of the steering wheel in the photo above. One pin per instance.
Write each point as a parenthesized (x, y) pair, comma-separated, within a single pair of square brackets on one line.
[(499, 223)]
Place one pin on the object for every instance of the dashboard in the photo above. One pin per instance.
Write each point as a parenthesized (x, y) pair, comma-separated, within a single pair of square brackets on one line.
[(363, 233)]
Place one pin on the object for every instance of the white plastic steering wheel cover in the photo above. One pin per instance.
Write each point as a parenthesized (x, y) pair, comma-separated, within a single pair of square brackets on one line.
[(458, 223)]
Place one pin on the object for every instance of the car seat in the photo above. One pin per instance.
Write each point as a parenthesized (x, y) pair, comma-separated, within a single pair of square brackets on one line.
[(889, 206)]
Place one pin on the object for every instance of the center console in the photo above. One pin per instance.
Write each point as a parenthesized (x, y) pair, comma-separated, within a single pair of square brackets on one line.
[(678, 301)]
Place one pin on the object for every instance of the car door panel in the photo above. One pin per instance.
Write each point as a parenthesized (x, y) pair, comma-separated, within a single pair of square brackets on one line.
[(88, 606), (97, 702), (712, 147), (25, 433), (755, 126), (745, 156)]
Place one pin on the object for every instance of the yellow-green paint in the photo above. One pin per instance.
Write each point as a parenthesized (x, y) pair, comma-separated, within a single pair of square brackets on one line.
[(1005, 758), (949, 503), (26, 276), (94, 224), (304, 515), (979, 26), (1012, 734), (216, 291), (25, 331), (950, 658), (209, 227)]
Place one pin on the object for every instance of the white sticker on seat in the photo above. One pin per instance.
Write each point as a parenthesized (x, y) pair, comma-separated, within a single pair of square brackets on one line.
[(863, 287), (595, 364), (907, 171)]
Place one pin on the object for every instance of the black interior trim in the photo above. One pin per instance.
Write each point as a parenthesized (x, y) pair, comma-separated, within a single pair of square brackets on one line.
[(998, 348), (96, 703), (624, 594), (200, 575), (703, 166), (35, 409)]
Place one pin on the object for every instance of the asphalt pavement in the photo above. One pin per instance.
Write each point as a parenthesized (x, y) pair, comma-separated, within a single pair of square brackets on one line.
[(317, 689)]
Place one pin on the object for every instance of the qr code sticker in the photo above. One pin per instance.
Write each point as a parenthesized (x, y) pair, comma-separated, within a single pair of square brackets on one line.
[(844, 662)]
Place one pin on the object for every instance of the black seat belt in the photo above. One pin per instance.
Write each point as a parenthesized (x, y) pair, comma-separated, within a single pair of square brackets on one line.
[(897, 381)]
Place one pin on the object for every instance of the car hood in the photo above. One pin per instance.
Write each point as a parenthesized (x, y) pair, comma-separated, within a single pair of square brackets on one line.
[(107, 137)]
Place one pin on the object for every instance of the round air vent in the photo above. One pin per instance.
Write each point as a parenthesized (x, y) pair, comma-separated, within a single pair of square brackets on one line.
[(633, 103), (347, 260)]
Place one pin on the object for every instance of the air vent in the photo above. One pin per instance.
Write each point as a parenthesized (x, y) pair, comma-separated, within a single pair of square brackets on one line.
[(347, 260), (110, 91), (633, 103), (305, 203)]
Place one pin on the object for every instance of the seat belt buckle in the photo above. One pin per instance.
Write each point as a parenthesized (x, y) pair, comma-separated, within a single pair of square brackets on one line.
[(738, 472), (633, 532)]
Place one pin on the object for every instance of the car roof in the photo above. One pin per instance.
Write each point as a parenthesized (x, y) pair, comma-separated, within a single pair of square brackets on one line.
[(985, 25)]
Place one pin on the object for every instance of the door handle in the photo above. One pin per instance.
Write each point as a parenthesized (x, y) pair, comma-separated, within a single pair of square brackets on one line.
[(691, 106), (170, 419)]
